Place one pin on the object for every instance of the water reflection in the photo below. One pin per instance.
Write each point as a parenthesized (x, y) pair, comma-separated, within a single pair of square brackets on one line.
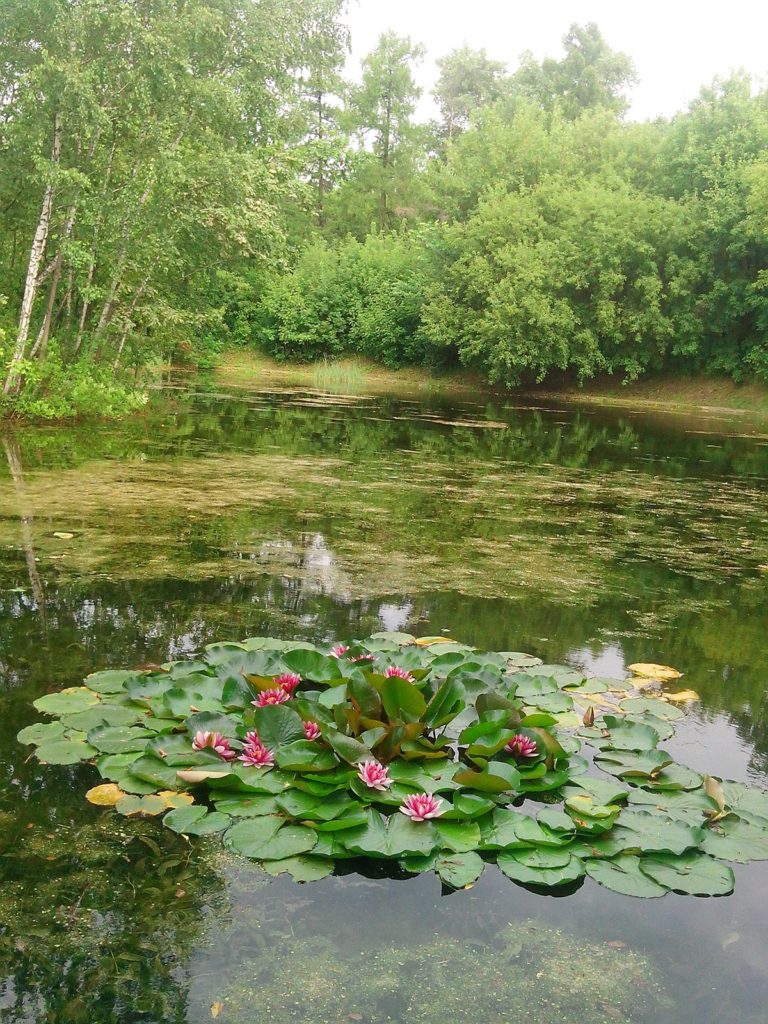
[(600, 538)]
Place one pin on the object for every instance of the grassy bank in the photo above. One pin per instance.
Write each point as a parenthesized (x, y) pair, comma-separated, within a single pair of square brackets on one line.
[(357, 376), (346, 376)]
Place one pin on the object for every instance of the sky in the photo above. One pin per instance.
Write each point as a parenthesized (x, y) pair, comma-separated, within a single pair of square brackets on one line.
[(677, 45)]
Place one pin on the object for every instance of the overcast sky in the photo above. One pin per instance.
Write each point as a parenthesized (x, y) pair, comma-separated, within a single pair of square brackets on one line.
[(677, 45)]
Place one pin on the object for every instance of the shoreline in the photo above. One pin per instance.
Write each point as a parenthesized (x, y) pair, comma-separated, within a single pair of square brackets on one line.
[(715, 397)]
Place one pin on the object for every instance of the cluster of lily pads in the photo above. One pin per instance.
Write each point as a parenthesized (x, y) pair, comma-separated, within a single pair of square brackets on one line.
[(422, 751)]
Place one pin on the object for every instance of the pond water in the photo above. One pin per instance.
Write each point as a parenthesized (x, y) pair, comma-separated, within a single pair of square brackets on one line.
[(582, 535)]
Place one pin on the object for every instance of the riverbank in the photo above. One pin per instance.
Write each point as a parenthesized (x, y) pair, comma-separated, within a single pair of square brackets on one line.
[(705, 395)]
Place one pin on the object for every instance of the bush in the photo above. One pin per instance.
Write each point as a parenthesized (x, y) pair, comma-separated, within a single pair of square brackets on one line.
[(53, 390), (354, 297)]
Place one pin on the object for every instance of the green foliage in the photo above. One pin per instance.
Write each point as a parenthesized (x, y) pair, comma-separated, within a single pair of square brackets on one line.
[(352, 297), (384, 726)]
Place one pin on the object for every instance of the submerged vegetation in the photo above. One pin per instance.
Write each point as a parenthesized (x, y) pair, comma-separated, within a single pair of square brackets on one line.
[(424, 752), (176, 180)]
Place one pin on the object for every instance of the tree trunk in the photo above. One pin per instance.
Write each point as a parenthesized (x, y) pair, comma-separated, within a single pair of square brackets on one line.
[(33, 269), (127, 326)]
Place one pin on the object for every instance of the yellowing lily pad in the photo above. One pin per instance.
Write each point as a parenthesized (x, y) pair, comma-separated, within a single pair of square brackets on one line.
[(648, 670), (174, 799), (427, 641), (105, 795), (682, 696), (63, 535), (200, 775)]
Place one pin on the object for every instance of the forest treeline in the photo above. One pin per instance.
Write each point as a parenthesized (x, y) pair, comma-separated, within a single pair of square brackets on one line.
[(177, 176)]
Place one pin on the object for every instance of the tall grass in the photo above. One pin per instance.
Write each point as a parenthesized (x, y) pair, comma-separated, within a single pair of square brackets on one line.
[(343, 378)]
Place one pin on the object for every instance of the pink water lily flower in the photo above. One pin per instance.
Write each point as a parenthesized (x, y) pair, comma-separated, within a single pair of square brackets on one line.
[(312, 730), (339, 650), (374, 775), (213, 741), (420, 806), (256, 755), (288, 681), (267, 697), (521, 746), (252, 738), (398, 673), (362, 657)]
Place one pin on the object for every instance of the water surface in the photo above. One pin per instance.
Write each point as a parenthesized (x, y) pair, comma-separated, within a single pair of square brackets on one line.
[(585, 535)]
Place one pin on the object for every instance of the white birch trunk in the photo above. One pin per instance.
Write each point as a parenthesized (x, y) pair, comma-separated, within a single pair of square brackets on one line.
[(33, 268)]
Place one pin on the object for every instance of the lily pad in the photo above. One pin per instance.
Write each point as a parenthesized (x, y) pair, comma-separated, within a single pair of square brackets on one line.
[(694, 874), (60, 751), (623, 874), (459, 870), (302, 868), (547, 878), (66, 702)]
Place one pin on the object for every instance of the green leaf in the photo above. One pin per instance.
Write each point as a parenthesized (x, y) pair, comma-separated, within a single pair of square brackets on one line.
[(623, 874), (543, 858), (193, 820), (472, 805), (627, 764), (247, 805), (102, 714), (41, 732), (66, 702), (694, 874), (654, 834), (734, 839), (601, 790), (109, 682), (459, 836), (268, 838), (302, 868), (500, 833), (691, 807), (396, 836), (659, 708), (277, 724), (305, 755), (402, 700), (548, 878), (629, 735), (65, 751), (312, 666), (348, 748), (447, 702), (134, 805), (121, 739), (496, 777), (458, 870)]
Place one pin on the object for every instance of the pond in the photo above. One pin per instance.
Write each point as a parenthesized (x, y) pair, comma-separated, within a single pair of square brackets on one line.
[(577, 534)]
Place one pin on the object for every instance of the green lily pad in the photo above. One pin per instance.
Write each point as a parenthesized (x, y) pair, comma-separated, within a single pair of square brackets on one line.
[(66, 702), (247, 805), (396, 837), (193, 820), (269, 838), (458, 836), (547, 878), (60, 751), (302, 868), (109, 682), (694, 874), (41, 732), (623, 874), (654, 834), (734, 839), (624, 734), (629, 764), (458, 870)]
